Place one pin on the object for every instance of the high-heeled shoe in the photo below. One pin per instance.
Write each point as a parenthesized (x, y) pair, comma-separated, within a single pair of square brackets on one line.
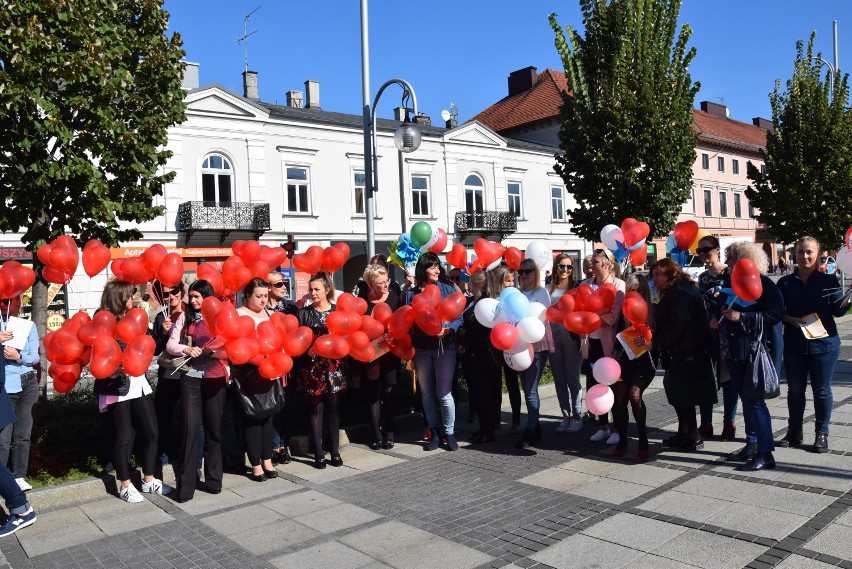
[(619, 450), (376, 445), (642, 452), (336, 460), (387, 444), (270, 473), (319, 463)]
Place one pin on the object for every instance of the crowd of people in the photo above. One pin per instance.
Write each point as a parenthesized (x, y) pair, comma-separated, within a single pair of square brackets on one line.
[(703, 337)]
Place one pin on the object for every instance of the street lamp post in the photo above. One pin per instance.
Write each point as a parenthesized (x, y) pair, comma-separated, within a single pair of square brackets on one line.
[(831, 77), (406, 138)]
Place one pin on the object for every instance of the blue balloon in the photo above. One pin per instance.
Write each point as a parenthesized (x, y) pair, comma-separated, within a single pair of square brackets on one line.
[(507, 292), (515, 306), (671, 244)]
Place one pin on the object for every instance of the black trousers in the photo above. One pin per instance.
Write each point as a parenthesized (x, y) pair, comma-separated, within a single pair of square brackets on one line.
[(126, 417), (201, 400), (166, 399), (257, 434), (485, 392)]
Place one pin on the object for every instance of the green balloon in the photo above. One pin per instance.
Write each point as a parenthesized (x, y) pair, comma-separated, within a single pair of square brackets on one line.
[(420, 233)]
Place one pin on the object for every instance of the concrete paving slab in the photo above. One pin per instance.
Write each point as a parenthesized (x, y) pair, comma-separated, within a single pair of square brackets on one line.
[(714, 487), (595, 467), (59, 530), (412, 450), (301, 503), (304, 469), (645, 474), (251, 490), (709, 551), (787, 500), (800, 562), (113, 516), (373, 461), (845, 519), (612, 491), (828, 471), (387, 539), (438, 553), (683, 505), (203, 502), (328, 555), (241, 519), (833, 540), (651, 561), (764, 522), (559, 479), (581, 552), (276, 536), (336, 518), (636, 532)]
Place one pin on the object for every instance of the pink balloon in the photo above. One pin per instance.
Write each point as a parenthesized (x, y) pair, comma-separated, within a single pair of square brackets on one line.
[(599, 399), (606, 371)]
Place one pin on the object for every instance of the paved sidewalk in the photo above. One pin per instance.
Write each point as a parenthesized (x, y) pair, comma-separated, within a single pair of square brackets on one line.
[(566, 503)]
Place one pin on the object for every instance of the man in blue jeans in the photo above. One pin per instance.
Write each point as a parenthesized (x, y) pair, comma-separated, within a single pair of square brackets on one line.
[(21, 514)]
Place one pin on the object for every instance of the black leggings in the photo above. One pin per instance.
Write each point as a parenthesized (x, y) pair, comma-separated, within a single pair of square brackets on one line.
[(380, 397), (513, 387), (629, 390), (257, 434), (595, 353), (134, 415), (320, 404)]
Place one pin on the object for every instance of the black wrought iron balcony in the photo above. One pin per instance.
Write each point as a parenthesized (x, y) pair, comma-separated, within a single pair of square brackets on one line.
[(223, 218), (501, 223)]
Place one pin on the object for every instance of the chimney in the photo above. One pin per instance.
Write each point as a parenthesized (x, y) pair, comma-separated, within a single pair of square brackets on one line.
[(763, 123), (295, 100), (425, 120), (250, 85), (312, 95), (451, 123), (190, 76), (714, 109), (522, 80)]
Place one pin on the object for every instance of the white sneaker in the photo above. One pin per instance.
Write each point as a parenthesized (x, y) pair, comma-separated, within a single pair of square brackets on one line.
[(131, 495), (613, 439), (23, 485), (156, 486), (574, 426), (563, 426), (600, 435)]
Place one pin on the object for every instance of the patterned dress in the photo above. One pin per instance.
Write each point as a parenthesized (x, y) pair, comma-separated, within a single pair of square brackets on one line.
[(319, 376)]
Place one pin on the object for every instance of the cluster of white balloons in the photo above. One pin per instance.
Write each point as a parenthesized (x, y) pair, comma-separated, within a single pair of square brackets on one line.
[(515, 318)]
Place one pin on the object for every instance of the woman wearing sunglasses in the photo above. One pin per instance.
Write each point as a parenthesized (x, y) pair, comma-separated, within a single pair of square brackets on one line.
[(602, 341), (172, 305), (282, 422), (565, 360), (529, 278)]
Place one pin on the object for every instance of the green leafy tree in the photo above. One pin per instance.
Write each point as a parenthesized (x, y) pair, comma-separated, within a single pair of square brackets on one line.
[(627, 141), (807, 186), (88, 89)]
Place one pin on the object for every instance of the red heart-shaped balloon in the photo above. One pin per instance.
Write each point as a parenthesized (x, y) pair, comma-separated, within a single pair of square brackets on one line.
[(431, 296), (457, 257), (634, 231), (745, 280), (310, 261), (685, 233)]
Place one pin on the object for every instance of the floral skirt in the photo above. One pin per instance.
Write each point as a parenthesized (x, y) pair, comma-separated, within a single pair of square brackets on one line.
[(322, 376)]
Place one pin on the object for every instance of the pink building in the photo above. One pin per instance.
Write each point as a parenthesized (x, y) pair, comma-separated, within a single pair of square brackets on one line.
[(725, 146)]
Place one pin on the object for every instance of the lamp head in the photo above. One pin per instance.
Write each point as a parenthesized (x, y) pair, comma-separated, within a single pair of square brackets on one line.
[(407, 137)]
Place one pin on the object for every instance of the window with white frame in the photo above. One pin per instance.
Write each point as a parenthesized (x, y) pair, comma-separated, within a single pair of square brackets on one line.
[(720, 163), (557, 204), (474, 194), (738, 205), (705, 161), (723, 203), (708, 203), (298, 192), (359, 206), (735, 167), (217, 180), (513, 198), (420, 196)]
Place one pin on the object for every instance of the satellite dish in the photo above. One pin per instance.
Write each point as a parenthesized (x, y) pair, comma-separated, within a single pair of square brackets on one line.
[(445, 114), (453, 110)]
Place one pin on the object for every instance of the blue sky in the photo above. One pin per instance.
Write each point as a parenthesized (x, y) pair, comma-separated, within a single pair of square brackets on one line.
[(463, 51)]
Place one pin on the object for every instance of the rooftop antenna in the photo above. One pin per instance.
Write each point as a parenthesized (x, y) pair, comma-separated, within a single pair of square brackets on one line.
[(243, 39), (450, 116)]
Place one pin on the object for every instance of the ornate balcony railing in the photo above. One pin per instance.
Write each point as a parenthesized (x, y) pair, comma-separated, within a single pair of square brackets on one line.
[(223, 218), (501, 223)]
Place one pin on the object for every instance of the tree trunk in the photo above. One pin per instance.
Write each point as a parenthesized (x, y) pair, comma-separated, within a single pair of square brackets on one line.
[(39, 318)]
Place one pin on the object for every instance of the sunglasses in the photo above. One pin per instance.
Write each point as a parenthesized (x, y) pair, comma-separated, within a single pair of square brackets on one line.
[(455, 278), (565, 267), (173, 291), (701, 250), (525, 272), (279, 284)]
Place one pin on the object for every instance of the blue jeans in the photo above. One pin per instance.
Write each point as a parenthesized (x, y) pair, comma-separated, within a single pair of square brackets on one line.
[(16, 501), (530, 378), (758, 423), (820, 368), (435, 377)]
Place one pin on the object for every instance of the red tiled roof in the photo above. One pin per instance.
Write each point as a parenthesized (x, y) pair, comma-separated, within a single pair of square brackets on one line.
[(539, 103), (543, 100)]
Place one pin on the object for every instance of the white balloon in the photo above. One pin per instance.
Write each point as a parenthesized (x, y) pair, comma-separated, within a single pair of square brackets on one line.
[(537, 310), (520, 346), (432, 240), (519, 361), (530, 329), (488, 312), (539, 252), (494, 265), (609, 235), (844, 260)]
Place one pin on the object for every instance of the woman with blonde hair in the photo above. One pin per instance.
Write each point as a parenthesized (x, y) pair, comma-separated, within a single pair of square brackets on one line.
[(498, 279), (602, 341), (565, 359)]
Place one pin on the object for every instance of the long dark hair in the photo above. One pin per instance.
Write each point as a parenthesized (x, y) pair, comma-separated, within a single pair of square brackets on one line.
[(428, 260), (205, 289)]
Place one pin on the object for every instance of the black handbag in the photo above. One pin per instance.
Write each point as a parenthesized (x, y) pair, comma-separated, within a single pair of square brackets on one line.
[(761, 378), (113, 385), (259, 397)]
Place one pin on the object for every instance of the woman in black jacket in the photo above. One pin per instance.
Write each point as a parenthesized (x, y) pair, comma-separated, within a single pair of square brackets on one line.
[(739, 328), (683, 338)]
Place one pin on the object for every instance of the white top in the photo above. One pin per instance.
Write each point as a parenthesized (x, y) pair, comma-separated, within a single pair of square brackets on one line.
[(139, 387)]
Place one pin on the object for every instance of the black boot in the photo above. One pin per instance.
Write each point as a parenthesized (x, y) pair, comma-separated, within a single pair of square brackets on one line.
[(435, 441), (791, 439), (760, 461), (745, 454), (821, 443)]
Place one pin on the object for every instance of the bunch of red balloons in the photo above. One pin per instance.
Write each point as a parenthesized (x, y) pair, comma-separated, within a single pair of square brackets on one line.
[(316, 259), (579, 309), (60, 258), (635, 311), (15, 279)]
